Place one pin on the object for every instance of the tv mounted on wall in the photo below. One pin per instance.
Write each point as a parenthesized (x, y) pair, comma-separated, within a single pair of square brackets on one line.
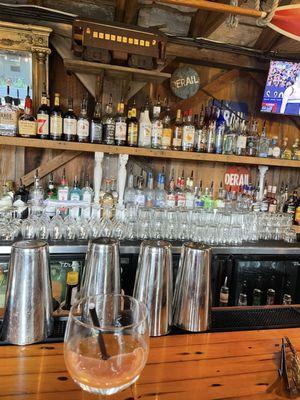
[(282, 91)]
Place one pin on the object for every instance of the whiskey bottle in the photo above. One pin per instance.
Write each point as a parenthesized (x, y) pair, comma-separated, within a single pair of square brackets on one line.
[(83, 123), (224, 294), (166, 139), (8, 117), (121, 126), (70, 123), (96, 124), (27, 122), (132, 127), (43, 118), (177, 132), (286, 152), (156, 126), (109, 124), (145, 128), (188, 133), (56, 122)]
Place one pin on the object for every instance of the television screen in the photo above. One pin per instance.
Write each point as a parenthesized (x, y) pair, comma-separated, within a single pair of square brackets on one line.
[(282, 91)]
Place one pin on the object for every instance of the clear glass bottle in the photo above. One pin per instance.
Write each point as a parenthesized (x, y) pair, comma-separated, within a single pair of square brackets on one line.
[(188, 133), (149, 192), (8, 117), (96, 124), (51, 191), (83, 123), (43, 118), (160, 193), (56, 122), (75, 195), (139, 196), (264, 143), (121, 126), (156, 126), (220, 131), (109, 124), (171, 194), (252, 140), (87, 194), (129, 196), (144, 139), (36, 194), (229, 144), (27, 122), (180, 191), (63, 193), (201, 135), (241, 141), (70, 123), (211, 133), (132, 126), (166, 139), (177, 132), (190, 192), (275, 147)]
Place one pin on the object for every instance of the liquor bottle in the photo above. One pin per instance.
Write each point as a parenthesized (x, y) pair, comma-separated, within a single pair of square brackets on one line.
[(43, 118), (87, 195), (190, 192), (121, 126), (144, 139), (160, 193), (273, 204), (72, 286), (220, 131), (166, 139), (199, 199), (96, 124), (188, 133), (211, 133), (291, 204), (75, 196), (275, 147), (83, 123), (114, 191), (149, 192), (156, 126), (241, 141), (70, 123), (27, 122), (296, 150), (180, 192), (171, 194), (129, 195), (264, 205), (36, 194), (256, 299), (63, 193), (109, 124), (287, 299), (108, 198), (263, 144), (230, 135), (8, 117), (56, 123), (177, 132), (132, 127), (297, 214), (252, 140), (286, 152), (243, 295), (270, 297), (51, 190), (220, 202), (224, 294), (21, 193), (139, 199)]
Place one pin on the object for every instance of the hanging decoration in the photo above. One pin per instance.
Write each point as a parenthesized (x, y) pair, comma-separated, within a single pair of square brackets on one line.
[(232, 20)]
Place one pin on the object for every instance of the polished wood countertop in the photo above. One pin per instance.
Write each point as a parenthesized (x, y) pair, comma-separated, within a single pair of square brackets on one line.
[(231, 365)]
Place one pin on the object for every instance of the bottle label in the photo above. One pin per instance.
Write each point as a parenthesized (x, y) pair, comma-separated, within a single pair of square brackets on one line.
[(42, 124), (120, 133), (109, 133), (188, 136), (276, 152), (176, 142), (181, 200), (241, 142), (132, 134), (171, 200), (9, 118), (156, 134), (27, 127), (83, 126), (140, 199), (72, 278), (96, 131), (55, 125), (224, 297), (70, 126), (272, 208), (166, 137), (63, 194), (145, 134)]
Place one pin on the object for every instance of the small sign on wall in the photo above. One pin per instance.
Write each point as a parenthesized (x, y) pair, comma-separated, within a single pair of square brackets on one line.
[(185, 82), (235, 177)]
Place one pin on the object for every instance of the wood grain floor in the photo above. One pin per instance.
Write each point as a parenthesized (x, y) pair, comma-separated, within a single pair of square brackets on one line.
[(235, 365)]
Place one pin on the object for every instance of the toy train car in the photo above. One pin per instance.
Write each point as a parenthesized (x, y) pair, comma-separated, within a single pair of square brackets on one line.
[(120, 44)]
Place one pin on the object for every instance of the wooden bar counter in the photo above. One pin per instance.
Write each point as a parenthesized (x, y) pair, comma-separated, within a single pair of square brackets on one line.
[(232, 365)]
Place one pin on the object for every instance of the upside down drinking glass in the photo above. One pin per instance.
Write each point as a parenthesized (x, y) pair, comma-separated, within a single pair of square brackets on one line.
[(123, 329)]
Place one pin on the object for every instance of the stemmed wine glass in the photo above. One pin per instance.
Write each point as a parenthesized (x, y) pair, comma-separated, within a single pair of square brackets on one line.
[(106, 342)]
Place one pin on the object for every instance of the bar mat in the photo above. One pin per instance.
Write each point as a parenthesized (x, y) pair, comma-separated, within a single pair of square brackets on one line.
[(254, 318), (222, 320)]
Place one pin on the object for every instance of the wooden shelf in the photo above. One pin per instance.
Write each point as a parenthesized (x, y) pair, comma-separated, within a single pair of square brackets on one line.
[(142, 152), (115, 71)]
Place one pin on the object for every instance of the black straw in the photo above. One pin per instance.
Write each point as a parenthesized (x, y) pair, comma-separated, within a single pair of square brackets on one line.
[(101, 342)]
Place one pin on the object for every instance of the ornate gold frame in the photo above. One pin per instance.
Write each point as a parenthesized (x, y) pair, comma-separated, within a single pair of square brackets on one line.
[(34, 39)]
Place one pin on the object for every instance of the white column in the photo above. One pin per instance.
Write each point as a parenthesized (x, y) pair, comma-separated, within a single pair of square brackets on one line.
[(123, 159), (262, 174), (98, 175)]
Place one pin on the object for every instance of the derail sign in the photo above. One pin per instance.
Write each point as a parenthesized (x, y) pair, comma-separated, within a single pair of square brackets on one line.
[(236, 177), (185, 82)]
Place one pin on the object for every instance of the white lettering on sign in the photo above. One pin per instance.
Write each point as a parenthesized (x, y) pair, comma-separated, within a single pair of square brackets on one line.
[(236, 179), (183, 82)]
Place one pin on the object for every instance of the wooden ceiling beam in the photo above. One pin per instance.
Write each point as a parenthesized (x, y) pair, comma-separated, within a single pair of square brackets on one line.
[(217, 7)]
